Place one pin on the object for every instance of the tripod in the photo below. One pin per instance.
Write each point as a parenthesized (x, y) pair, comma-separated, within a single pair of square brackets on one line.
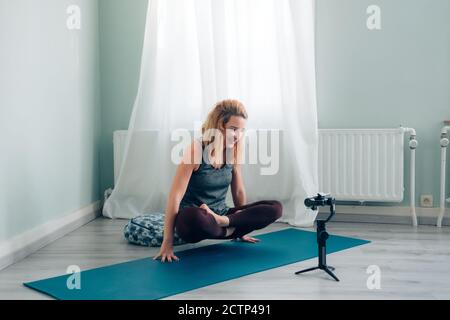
[(322, 234)]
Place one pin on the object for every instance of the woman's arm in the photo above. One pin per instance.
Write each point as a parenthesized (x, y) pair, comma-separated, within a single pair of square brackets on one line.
[(179, 186), (237, 187), (178, 189)]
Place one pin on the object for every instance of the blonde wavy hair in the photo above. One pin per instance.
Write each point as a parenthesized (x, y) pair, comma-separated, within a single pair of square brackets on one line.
[(216, 120)]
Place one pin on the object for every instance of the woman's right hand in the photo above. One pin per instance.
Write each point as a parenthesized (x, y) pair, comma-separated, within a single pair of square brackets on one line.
[(166, 252)]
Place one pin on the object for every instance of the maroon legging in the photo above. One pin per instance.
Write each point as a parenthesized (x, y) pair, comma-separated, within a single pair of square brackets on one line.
[(194, 224)]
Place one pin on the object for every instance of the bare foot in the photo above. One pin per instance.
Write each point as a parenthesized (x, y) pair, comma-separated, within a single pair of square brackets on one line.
[(221, 220)]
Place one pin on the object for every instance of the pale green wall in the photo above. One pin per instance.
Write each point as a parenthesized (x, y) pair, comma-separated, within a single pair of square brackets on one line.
[(397, 75), (365, 79), (49, 112), (122, 27)]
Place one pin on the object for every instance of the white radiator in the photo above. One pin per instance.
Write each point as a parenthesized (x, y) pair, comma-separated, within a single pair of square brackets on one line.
[(354, 164), (362, 164)]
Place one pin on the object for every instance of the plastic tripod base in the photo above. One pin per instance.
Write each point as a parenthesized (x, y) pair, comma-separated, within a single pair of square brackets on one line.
[(327, 269), (306, 270)]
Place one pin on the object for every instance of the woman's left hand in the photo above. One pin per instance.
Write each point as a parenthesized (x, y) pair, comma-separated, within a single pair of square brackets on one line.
[(248, 239)]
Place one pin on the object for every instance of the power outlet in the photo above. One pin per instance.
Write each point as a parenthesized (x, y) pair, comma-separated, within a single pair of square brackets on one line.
[(426, 200)]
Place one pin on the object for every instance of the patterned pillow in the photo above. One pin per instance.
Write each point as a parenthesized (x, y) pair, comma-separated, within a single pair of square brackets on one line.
[(148, 230)]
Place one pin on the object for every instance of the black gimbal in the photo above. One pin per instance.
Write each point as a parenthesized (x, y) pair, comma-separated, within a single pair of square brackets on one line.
[(322, 199)]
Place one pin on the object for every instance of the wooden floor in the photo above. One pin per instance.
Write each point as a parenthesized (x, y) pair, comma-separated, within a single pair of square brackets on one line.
[(414, 264)]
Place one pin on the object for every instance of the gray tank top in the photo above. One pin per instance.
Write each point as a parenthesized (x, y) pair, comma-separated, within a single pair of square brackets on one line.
[(208, 185)]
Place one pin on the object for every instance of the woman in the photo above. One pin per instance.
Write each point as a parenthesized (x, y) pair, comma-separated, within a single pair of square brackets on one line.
[(196, 204)]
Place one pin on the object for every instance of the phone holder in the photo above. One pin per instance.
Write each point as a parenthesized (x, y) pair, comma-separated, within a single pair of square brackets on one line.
[(322, 199)]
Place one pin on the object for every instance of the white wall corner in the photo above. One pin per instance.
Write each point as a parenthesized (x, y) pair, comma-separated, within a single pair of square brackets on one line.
[(22, 245)]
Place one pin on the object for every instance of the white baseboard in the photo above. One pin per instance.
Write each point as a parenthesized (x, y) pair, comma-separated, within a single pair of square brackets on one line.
[(386, 214), (22, 245)]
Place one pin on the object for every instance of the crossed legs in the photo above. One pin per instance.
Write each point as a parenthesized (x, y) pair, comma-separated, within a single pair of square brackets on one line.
[(194, 224)]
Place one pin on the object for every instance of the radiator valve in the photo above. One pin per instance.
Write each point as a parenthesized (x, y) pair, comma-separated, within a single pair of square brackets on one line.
[(413, 143), (444, 141)]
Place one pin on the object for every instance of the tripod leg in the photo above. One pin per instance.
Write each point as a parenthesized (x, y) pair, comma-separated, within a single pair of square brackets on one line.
[(330, 273), (331, 268), (306, 270)]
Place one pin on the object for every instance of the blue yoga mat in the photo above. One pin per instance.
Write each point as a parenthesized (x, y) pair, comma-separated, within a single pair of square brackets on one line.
[(199, 267)]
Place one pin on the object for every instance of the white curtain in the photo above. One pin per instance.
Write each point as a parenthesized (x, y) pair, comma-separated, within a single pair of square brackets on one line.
[(198, 52)]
